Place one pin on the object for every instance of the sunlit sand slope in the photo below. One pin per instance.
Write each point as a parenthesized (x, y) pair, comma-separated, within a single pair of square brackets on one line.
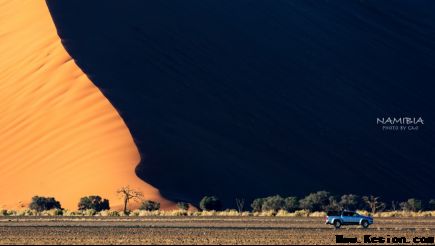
[(59, 136)]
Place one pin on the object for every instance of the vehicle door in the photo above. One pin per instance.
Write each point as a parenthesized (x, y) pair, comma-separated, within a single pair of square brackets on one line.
[(347, 217), (355, 218)]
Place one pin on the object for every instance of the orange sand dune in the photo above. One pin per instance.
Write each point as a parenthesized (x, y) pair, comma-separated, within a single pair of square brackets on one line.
[(59, 136)]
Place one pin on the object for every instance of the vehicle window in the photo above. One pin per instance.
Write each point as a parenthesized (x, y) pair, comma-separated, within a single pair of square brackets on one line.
[(347, 214), (333, 213), (355, 214)]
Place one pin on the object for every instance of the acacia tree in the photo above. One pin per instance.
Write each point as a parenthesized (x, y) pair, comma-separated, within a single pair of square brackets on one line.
[(374, 203), (240, 203), (128, 194)]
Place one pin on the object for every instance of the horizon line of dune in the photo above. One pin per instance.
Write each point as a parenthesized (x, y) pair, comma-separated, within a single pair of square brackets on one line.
[(60, 136)]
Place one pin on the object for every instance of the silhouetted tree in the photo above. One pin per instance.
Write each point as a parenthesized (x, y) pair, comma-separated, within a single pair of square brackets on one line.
[(93, 202), (128, 194), (209, 203), (44, 203)]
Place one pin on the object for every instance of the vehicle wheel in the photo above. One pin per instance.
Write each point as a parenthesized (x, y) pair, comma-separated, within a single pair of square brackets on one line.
[(365, 224), (337, 224)]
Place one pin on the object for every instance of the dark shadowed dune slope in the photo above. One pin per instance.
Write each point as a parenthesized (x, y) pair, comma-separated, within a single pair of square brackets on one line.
[(251, 98)]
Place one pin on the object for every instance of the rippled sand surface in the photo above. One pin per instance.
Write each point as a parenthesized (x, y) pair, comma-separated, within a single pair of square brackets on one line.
[(59, 135)]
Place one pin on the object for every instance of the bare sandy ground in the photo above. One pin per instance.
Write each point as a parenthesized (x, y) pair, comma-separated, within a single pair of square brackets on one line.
[(59, 135), (189, 230)]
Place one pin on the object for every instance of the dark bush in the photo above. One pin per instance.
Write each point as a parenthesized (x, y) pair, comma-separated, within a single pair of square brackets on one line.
[(183, 205), (257, 205), (318, 201), (93, 202), (149, 206), (44, 203), (209, 203)]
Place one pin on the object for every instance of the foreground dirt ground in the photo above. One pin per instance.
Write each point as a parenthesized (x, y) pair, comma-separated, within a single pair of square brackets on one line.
[(199, 230)]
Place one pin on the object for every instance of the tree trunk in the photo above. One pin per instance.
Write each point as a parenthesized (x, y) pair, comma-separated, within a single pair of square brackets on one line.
[(125, 205)]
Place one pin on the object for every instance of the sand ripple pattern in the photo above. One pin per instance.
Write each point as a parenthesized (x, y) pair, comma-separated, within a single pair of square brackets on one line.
[(59, 135)]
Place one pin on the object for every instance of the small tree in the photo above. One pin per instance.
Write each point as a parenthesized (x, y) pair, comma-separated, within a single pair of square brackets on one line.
[(44, 203), (209, 203), (149, 206), (411, 205), (374, 203), (183, 206), (291, 204), (93, 202), (240, 203), (349, 202), (318, 201), (128, 194), (257, 205)]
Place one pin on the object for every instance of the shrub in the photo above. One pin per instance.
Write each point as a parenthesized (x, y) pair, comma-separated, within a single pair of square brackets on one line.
[(149, 206), (183, 206), (209, 203), (257, 205), (411, 205), (44, 203), (93, 202), (318, 201)]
